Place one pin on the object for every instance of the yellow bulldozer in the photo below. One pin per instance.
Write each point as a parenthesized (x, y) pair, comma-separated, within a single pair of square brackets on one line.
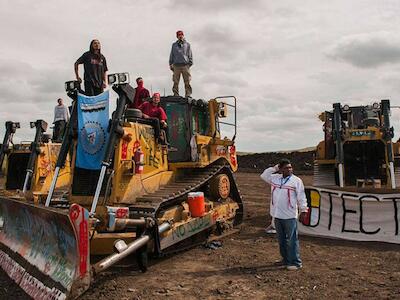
[(28, 166), (355, 192), (148, 198), (357, 151)]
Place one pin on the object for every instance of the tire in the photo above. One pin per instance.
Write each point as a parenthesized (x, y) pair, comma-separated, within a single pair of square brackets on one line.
[(133, 113), (220, 187)]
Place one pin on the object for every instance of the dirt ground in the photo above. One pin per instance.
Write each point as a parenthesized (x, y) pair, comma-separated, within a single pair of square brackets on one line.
[(243, 267)]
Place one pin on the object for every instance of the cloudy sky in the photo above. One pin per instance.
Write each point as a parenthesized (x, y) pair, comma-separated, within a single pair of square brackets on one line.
[(284, 61)]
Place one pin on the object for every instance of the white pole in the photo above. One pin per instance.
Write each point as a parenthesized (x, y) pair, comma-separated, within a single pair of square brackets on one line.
[(98, 190), (53, 186), (391, 168), (340, 167), (28, 175)]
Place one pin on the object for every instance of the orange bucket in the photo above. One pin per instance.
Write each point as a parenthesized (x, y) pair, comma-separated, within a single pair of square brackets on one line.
[(196, 204)]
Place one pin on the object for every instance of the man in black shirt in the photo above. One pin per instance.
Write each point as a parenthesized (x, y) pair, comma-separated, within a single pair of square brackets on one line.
[(95, 66)]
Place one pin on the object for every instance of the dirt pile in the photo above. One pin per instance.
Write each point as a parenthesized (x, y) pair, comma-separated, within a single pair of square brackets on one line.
[(302, 161)]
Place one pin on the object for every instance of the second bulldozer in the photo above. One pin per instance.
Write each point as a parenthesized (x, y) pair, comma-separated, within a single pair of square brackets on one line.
[(357, 151), (27, 167)]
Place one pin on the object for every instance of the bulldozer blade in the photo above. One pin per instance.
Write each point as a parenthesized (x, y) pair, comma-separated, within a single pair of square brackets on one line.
[(45, 250)]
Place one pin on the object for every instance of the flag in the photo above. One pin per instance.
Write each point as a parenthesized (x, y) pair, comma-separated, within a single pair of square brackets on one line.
[(93, 119)]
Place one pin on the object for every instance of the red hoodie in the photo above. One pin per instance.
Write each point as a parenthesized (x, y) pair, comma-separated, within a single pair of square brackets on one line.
[(140, 93)]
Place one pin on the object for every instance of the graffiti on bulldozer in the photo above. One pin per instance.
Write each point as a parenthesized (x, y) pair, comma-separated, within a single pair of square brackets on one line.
[(53, 242), (188, 229), (146, 135), (42, 241)]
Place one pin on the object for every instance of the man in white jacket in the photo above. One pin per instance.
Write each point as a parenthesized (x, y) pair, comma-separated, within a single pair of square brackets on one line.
[(287, 197)]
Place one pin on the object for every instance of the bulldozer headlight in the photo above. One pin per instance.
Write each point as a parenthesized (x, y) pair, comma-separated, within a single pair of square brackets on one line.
[(17, 125), (122, 78), (375, 105), (39, 123), (346, 107), (118, 78), (71, 85), (112, 78)]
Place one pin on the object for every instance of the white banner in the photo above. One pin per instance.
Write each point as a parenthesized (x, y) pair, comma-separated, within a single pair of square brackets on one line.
[(352, 216)]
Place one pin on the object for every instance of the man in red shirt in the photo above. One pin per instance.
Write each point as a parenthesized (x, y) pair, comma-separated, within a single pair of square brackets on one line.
[(154, 110), (141, 93)]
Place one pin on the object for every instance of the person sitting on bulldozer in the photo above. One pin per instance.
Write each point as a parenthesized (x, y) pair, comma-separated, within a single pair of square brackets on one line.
[(153, 110)]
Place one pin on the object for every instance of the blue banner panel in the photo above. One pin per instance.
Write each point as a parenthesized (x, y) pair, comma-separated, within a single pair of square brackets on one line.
[(93, 119)]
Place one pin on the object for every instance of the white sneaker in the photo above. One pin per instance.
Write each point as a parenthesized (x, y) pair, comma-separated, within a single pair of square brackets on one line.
[(293, 268), (270, 230)]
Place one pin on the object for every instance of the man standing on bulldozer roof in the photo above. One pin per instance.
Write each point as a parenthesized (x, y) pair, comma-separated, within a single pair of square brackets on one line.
[(180, 61), (287, 197), (95, 69)]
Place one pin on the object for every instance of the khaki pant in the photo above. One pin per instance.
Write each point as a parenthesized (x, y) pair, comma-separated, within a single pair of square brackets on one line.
[(185, 71)]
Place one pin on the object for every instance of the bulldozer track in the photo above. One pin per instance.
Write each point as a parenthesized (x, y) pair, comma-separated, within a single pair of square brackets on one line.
[(324, 175), (149, 205)]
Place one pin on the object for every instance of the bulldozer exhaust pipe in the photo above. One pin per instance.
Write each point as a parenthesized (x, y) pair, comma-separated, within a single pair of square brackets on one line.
[(129, 249)]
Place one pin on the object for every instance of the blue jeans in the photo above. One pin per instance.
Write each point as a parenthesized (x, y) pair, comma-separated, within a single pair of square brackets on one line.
[(286, 230)]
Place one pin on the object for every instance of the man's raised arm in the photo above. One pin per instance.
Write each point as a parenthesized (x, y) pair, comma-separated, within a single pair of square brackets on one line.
[(267, 174)]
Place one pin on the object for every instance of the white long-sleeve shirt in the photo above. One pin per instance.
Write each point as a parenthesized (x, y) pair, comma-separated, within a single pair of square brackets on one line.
[(287, 194)]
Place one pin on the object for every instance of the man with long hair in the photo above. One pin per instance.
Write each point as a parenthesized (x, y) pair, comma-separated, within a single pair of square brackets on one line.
[(95, 69)]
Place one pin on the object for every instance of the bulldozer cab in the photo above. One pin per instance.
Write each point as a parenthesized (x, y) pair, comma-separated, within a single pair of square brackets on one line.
[(184, 117), (361, 117), (193, 124)]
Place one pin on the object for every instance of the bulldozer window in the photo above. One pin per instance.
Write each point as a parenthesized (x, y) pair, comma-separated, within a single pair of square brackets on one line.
[(364, 160), (361, 118), (199, 121), (16, 174)]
